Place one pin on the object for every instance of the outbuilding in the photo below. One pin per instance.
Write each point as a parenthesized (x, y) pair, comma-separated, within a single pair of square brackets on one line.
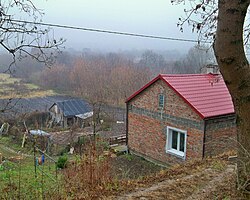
[(69, 112)]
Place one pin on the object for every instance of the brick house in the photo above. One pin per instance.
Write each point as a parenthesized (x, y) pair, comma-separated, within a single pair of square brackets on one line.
[(175, 118)]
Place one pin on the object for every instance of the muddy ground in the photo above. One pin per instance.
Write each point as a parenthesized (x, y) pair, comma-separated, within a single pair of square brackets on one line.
[(133, 167)]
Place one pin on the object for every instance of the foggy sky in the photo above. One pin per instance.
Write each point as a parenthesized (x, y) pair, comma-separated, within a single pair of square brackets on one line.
[(150, 17)]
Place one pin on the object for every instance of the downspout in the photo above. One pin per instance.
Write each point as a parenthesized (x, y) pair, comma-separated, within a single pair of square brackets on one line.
[(204, 138), (127, 124), (63, 115)]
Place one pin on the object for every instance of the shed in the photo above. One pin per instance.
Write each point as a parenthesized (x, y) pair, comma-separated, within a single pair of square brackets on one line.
[(67, 112)]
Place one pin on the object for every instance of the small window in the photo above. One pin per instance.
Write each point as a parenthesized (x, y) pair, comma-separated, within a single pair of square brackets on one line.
[(161, 99), (176, 141)]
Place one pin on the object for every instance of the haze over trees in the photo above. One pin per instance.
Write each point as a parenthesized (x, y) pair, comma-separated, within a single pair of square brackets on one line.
[(196, 58), (105, 77)]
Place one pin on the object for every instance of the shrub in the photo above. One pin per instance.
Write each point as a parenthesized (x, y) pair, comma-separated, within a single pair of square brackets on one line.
[(62, 162), (89, 177)]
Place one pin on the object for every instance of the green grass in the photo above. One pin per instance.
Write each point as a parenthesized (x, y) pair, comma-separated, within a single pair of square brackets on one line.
[(6, 142), (5, 152), (19, 176), (31, 86), (6, 79), (15, 88)]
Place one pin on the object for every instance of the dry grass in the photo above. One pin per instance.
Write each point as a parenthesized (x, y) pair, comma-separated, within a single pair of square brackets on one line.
[(91, 178), (206, 179), (14, 88)]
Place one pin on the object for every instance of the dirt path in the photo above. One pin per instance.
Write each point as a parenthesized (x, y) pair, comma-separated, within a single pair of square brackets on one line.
[(11, 152), (212, 185), (201, 185), (65, 137)]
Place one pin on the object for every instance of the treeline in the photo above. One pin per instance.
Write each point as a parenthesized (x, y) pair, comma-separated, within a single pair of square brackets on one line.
[(105, 77)]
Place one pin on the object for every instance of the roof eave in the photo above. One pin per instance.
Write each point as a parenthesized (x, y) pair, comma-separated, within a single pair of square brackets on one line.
[(185, 100), (153, 81), (160, 76), (143, 88), (52, 105), (218, 116)]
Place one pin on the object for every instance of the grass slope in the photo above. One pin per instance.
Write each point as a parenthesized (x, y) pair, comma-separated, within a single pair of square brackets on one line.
[(15, 88), (19, 179)]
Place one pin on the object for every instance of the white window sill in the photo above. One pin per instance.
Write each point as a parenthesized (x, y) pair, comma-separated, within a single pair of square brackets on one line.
[(174, 152)]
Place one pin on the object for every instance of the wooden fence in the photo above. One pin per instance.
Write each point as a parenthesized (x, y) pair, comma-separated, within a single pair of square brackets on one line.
[(117, 140)]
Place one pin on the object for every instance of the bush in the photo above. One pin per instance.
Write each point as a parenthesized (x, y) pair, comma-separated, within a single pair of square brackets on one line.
[(89, 177), (62, 162), (102, 145)]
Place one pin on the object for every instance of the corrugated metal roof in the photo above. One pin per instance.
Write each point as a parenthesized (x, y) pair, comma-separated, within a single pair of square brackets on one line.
[(73, 107), (207, 94)]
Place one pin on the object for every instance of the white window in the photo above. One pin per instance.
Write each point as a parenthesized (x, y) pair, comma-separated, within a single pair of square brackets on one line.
[(176, 141), (161, 99)]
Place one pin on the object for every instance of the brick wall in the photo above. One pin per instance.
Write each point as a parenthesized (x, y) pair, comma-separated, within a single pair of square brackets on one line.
[(147, 124), (174, 104), (220, 135)]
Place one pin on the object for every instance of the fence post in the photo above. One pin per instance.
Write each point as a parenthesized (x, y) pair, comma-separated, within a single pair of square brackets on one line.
[(34, 149)]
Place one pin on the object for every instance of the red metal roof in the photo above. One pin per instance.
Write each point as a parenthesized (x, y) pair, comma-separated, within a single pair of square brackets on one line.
[(207, 94)]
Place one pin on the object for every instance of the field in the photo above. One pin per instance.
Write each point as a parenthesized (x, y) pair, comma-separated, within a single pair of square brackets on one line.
[(15, 88)]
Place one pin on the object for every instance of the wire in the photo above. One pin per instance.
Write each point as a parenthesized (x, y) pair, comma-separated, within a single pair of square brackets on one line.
[(108, 31)]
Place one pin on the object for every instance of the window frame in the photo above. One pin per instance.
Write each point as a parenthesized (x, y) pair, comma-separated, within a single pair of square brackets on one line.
[(169, 148), (163, 103)]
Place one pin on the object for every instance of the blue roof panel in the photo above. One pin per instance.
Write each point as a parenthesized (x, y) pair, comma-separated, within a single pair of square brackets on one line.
[(73, 107)]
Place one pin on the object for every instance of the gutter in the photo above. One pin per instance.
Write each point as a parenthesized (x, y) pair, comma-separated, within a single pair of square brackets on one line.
[(233, 115), (127, 124), (204, 138)]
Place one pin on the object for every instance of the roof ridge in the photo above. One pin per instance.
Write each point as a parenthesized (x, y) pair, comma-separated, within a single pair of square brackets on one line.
[(183, 75), (68, 100)]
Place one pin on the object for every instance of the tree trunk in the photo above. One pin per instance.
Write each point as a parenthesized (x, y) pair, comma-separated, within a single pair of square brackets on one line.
[(230, 55)]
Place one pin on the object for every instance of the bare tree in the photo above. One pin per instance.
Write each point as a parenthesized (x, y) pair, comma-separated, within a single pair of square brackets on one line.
[(223, 22), (152, 60), (106, 79), (196, 58), (22, 38)]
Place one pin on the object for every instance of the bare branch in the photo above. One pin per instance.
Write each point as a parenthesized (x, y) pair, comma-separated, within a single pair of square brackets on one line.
[(201, 16), (23, 39)]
